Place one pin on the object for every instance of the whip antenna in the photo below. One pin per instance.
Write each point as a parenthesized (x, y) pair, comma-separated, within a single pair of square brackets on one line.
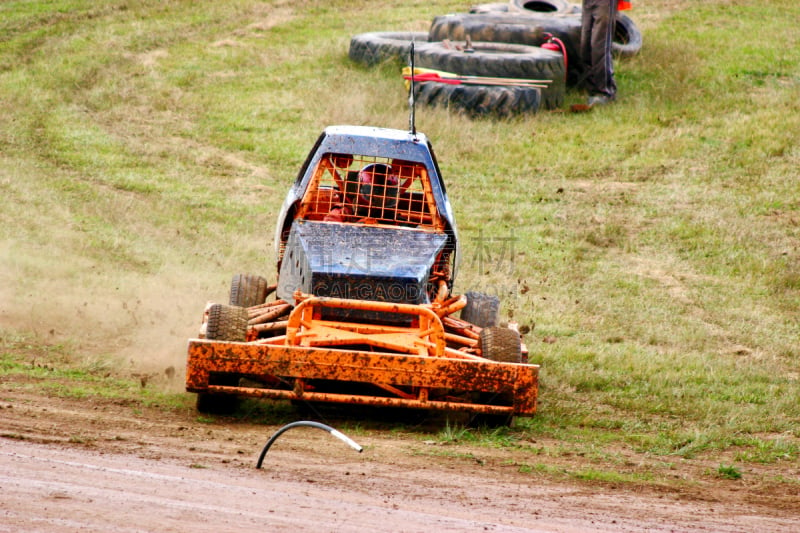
[(412, 102)]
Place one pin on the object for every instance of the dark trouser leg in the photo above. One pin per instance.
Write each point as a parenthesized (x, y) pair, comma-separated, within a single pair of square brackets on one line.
[(597, 32)]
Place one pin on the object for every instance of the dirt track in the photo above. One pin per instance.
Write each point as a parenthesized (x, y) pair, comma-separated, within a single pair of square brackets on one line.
[(69, 465)]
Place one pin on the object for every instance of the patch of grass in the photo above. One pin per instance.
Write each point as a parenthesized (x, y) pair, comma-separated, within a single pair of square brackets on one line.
[(79, 439), (605, 476), (15, 436), (591, 475), (768, 450), (452, 453), (451, 434), (729, 472)]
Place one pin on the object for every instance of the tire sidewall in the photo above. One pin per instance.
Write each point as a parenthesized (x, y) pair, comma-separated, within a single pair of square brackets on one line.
[(503, 60), (479, 100), (377, 47)]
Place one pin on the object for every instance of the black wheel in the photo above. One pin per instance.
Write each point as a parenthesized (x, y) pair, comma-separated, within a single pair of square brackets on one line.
[(501, 344), (502, 60), (377, 47), (542, 6), (227, 323), (217, 404), (516, 28), (489, 421), (483, 310), (478, 100), (627, 37), (248, 290), (529, 28)]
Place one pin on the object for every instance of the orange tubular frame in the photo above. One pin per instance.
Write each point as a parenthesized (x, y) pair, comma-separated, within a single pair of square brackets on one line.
[(407, 366)]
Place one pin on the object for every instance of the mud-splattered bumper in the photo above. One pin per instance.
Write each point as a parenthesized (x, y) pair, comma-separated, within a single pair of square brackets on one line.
[(398, 380)]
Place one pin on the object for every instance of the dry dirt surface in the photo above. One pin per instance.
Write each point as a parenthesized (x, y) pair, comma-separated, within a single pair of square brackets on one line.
[(100, 465)]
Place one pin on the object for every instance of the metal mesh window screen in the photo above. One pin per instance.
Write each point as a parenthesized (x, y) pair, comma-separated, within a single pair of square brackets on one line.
[(354, 188)]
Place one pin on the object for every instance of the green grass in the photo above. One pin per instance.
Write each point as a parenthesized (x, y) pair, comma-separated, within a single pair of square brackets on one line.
[(55, 370), (145, 149), (729, 472)]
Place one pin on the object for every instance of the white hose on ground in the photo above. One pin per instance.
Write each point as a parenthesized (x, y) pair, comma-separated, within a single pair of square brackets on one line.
[(339, 435)]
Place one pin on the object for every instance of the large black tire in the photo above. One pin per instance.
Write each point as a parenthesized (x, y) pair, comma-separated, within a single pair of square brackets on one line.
[(376, 47), (248, 290), (217, 404), (542, 6), (530, 29), (500, 60), (515, 28), (477, 100), (548, 7), (501, 344), (482, 309), (227, 323), (627, 37)]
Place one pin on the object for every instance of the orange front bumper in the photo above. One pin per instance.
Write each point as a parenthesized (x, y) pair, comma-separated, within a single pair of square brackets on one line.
[(399, 380)]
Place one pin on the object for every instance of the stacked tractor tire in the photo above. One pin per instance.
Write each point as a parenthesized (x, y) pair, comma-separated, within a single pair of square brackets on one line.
[(501, 40)]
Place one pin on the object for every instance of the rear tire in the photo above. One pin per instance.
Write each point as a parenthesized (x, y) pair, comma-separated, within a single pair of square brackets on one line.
[(482, 310), (248, 290), (217, 404)]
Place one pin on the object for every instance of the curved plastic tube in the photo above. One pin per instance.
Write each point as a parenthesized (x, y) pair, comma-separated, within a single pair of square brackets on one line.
[(344, 438)]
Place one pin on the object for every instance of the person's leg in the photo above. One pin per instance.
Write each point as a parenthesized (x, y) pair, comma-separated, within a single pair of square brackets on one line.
[(601, 75), (587, 20)]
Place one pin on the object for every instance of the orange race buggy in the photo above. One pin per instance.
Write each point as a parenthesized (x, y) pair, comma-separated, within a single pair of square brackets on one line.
[(363, 312)]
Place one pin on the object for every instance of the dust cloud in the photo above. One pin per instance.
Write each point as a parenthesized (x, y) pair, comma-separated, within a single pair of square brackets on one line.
[(138, 324)]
